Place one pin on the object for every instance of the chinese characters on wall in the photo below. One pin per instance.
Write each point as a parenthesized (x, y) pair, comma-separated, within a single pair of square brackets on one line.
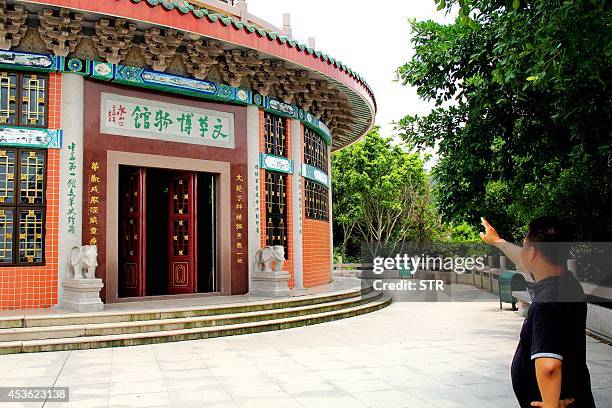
[(256, 200), (71, 184), (93, 200), (136, 117), (239, 218), (300, 207)]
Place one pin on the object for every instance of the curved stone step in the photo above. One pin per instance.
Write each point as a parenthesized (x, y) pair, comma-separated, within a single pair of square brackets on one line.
[(66, 319), (124, 327), (131, 339)]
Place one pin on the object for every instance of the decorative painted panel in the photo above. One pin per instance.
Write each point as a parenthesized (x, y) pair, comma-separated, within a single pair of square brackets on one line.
[(135, 117), (276, 163), (30, 137), (23, 60), (315, 174), (282, 107)]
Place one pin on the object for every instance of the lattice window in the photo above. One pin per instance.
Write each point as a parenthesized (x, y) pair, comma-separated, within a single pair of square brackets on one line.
[(33, 100), (8, 98), (316, 199), (7, 176), (315, 150), (32, 176), (7, 224), (276, 210), (275, 134), (22, 206), (275, 142), (23, 99), (31, 236)]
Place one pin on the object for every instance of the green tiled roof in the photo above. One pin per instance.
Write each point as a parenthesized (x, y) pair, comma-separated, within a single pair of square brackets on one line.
[(185, 7)]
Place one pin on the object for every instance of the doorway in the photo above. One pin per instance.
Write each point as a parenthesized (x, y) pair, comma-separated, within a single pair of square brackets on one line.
[(166, 232)]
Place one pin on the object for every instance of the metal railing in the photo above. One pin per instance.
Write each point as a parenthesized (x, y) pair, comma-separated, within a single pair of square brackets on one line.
[(486, 278)]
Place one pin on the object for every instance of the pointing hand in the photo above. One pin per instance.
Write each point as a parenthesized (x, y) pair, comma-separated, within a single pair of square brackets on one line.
[(490, 236)]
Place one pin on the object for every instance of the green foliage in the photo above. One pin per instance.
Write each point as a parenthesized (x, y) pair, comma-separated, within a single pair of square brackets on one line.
[(523, 111), (381, 195), (464, 233)]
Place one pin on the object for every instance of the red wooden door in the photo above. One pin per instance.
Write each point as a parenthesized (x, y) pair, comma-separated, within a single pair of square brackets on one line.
[(182, 265), (132, 235)]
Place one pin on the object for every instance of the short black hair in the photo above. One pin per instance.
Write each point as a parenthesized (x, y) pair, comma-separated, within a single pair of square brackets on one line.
[(552, 237)]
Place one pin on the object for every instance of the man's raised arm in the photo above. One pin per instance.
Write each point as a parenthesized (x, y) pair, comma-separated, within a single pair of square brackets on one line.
[(491, 237)]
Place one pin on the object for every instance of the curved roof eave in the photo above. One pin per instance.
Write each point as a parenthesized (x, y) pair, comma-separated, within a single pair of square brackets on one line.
[(184, 16)]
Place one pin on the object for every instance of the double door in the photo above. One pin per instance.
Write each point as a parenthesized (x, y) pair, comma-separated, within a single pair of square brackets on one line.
[(168, 233)]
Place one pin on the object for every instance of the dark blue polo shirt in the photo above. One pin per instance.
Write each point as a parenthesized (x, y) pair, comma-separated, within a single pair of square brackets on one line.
[(554, 327)]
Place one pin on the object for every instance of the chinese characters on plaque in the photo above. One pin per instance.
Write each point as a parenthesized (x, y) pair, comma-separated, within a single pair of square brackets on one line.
[(134, 117)]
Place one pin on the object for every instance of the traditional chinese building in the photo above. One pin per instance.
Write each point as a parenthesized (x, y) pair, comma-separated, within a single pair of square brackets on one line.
[(179, 137)]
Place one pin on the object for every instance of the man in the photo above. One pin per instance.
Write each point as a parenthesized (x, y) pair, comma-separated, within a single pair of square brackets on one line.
[(549, 367)]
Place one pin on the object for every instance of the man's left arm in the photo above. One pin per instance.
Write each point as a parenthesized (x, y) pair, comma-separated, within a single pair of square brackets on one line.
[(547, 352), (548, 374)]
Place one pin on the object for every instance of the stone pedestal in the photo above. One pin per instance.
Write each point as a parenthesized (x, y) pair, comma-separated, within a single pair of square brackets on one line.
[(82, 295), (270, 284)]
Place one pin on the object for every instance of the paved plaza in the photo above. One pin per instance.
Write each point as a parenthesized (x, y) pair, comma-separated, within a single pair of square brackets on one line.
[(407, 355)]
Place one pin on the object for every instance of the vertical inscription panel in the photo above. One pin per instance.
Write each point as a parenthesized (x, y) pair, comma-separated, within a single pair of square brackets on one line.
[(239, 213)]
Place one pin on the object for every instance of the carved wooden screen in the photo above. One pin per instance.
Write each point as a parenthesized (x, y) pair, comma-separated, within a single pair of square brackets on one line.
[(317, 201), (23, 99), (22, 206), (315, 150), (182, 219)]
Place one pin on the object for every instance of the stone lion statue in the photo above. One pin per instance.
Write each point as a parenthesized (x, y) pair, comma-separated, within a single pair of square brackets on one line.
[(269, 254), (83, 261)]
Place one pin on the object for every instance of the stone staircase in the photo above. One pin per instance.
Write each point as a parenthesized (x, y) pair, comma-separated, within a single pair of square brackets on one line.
[(78, 331)]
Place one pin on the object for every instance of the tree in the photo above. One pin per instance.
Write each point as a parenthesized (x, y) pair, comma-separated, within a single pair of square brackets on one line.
[(523, 111), (381, 194)]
